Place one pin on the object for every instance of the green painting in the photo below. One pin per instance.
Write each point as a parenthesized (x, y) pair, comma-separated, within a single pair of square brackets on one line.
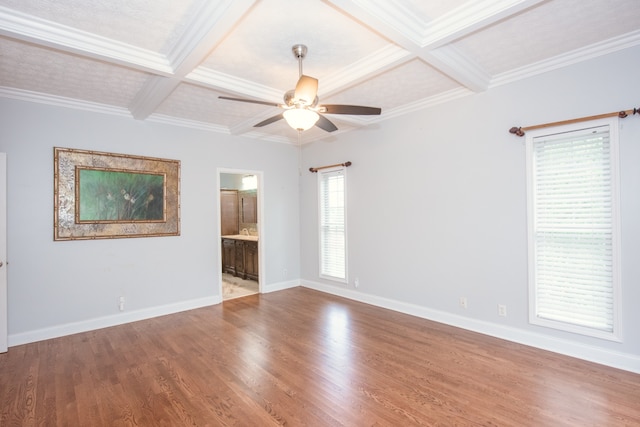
[(107, 195)]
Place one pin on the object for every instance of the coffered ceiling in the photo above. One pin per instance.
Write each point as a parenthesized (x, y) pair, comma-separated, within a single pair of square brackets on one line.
[(169, 61)]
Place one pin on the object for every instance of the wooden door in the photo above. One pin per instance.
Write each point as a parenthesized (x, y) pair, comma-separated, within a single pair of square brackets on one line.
[(249, 208), (229, 212)]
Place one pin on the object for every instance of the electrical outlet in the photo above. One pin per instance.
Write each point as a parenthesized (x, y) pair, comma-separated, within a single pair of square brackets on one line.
[(356, 282), (121, 303), (463, 302), (502, 310), (285, 273)]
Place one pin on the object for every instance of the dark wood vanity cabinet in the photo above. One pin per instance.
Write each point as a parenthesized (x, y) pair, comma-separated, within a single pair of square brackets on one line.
[(240, 258), (229, 256), (251, 260)]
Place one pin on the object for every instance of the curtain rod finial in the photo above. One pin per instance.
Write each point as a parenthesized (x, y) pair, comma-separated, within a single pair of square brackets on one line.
[(516, 131)]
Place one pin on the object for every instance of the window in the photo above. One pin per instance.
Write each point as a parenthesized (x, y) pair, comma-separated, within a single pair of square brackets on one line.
[(572, 186), (333, 233)]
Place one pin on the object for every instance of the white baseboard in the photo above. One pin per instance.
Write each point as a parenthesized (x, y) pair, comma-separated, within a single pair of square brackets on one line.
[(107, 321), (627, 362), (280, 286), (614, 359), (127, 317)]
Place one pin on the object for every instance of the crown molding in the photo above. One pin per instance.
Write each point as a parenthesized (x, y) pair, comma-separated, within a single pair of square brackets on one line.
[(269, 137), (247, 125), (192, 124), (60, 101), (22, 26), (579, 55), (429, 102)]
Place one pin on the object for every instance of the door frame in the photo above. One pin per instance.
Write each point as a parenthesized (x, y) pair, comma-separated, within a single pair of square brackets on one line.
[(260, 207), (4, 312)]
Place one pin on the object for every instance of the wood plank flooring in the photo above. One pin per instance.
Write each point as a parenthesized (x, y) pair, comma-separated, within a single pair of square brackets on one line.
[(303, 358)]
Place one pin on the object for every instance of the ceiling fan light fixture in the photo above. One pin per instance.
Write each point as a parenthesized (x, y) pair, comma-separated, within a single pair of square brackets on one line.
[(301, 118)]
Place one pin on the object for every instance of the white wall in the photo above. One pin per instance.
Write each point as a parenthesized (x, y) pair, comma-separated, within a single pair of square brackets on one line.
[(64, 287), (437, 210), (437, 206)]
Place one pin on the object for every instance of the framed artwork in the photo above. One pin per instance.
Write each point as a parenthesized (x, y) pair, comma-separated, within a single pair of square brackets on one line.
[(106, 196)]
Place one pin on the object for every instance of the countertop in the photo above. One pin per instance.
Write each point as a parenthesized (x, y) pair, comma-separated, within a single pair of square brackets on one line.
[(241, 237)]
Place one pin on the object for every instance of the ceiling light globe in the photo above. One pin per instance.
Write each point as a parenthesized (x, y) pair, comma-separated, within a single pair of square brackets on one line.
[(301, 118)]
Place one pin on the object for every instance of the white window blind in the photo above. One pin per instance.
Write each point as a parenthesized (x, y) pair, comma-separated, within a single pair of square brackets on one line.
[(332, 201), (573, 229)]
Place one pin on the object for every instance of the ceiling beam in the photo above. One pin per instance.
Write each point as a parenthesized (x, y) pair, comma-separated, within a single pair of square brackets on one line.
[(234, 85), (207, 30), (469, 17), (425, 38), (376, 63), (41, 32), (458, 67)]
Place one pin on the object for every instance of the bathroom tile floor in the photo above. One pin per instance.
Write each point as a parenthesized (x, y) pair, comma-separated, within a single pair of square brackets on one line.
[(235, 287)]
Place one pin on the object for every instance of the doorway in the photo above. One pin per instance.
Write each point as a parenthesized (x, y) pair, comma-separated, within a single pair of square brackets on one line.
[(239, 198)]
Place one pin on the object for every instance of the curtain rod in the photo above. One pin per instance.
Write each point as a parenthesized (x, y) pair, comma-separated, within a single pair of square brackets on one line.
[(622, 114), (314, 170)]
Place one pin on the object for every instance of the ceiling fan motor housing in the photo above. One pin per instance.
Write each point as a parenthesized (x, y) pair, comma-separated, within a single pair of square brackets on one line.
[(291, 101)]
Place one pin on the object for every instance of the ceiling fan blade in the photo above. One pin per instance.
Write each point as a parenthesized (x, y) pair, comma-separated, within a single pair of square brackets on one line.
[(357, 110), (268, 121), (251, 101), (306, 89), (325, 124)]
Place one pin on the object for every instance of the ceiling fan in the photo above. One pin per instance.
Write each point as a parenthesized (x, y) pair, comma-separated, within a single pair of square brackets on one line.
[(301, 109)]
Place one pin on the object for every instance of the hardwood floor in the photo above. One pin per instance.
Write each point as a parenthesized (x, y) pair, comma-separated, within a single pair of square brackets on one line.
[(300, 357)]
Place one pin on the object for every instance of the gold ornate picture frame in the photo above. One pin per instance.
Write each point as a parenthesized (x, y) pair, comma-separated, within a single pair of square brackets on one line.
[(101, 195)]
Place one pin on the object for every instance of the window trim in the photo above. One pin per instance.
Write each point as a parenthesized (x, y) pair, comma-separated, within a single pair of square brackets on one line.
[(616, 333), (321, 175)]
